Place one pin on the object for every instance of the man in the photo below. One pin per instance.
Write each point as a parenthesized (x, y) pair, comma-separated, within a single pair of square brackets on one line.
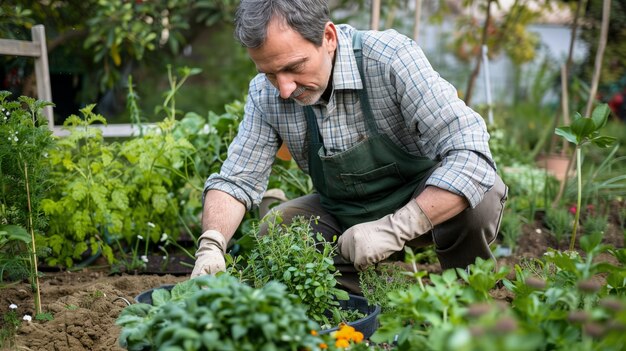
[(394, 155)]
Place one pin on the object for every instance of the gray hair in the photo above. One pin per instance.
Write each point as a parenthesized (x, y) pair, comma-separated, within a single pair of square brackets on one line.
[(307, 17)]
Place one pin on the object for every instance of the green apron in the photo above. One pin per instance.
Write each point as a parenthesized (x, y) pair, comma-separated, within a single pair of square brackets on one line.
[(369, 180)]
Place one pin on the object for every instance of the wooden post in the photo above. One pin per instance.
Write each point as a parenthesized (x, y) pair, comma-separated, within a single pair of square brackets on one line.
[(36, 48), (416, 25), (375, 14), (42, 72)]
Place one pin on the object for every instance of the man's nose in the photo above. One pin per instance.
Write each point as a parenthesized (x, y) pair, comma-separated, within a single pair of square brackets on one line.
[(286, 85)]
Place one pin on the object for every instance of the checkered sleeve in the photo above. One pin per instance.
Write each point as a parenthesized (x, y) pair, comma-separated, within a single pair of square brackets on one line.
[(245, 173), (448, 130)]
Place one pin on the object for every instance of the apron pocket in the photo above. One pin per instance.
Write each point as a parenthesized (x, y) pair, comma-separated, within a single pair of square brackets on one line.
[(374, 184)]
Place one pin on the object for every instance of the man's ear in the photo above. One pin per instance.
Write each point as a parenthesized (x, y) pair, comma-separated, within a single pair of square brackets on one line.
[(330, 37)]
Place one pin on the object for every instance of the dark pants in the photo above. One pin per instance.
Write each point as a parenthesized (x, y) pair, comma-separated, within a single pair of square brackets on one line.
[(457, 241)]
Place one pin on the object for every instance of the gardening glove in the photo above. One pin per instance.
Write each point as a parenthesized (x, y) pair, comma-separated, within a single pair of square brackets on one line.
[(210, 254), (371, 242)]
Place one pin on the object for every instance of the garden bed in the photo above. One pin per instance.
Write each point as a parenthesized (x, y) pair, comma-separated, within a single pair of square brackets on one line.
[(85, 304)]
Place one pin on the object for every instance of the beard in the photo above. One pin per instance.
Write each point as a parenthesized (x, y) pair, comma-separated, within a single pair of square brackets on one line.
[(312, 97)]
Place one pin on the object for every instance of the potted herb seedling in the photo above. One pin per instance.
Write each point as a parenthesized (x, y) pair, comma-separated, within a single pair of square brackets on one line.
[(290, 255), (219, 313), (302, 260)]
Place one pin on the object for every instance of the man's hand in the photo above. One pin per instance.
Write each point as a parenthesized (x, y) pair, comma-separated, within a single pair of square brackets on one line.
[(371, 242), (210, 254)]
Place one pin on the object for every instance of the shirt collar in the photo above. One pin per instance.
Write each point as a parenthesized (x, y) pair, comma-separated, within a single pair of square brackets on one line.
[(345, 70)]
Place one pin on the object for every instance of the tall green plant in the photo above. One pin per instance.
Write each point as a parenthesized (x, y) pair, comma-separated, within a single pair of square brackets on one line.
[(584, 131), (26, 140)]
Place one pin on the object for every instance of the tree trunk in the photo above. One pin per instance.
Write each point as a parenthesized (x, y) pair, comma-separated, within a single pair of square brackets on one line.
[(472, 80)]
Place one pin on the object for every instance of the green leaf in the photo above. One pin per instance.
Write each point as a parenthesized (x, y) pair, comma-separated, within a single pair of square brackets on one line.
[(600, 115), (160, 297), (603, 141), (79, 191), (582, 128), (566, 132), (79, 249), (238, 331), (119, 199), (341, 294), (590, 241), (15, 232)]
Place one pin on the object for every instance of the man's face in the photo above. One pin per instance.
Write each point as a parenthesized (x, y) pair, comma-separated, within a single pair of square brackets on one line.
[(296, 67)]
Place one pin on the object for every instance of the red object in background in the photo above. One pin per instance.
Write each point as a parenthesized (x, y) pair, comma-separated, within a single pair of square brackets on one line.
[(616, 101)]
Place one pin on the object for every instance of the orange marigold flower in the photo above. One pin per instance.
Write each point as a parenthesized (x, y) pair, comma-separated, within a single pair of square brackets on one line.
[(344, 332), (313, 332), (342, 343), (323, 346), (357, 337)]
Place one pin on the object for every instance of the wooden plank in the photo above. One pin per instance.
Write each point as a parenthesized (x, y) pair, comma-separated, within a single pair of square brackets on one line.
[(42, 73), (19, 48), (111, 130)]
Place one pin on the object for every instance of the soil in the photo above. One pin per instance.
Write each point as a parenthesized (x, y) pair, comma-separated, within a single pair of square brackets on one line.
[(85, 304)]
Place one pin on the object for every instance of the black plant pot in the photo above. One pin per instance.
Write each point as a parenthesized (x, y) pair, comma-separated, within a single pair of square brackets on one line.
[(366, 325)]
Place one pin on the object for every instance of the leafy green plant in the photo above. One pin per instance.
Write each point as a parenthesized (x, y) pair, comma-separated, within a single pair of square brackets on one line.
[(560, 223), (293, 255), (8, 327), (26, 141), (14, 253), (219, 313), (511, 229), (377, 282), (597, 223), (529, 188), (606, 181), (117, 191), (210, 136), (435, 316), (581, 132), (565, 300), (89, 198), (562, 298)]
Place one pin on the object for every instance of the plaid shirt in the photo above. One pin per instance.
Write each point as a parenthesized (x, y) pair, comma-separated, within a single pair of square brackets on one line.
[(412, 104)]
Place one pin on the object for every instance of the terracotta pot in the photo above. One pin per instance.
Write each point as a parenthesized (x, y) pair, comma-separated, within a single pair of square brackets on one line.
[(554, 164)]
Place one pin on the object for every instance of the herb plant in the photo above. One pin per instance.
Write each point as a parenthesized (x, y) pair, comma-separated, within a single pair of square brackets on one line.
[(583, 131), (293, 255), (219, 313), (377, 282), (26, 140), (565, 300), (560, 223)]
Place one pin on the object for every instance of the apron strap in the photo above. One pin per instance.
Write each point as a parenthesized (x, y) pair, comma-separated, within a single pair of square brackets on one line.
[(313, 130), (357, 47)]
